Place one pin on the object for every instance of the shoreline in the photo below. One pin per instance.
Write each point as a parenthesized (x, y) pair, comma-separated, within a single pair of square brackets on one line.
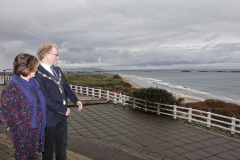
[(130, 81), (135, 85)]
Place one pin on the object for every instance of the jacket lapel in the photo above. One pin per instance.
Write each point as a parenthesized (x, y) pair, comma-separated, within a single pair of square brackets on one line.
[(43, 70)]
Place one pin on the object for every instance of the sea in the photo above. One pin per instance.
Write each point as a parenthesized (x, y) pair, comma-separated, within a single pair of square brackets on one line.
[(198, 84)]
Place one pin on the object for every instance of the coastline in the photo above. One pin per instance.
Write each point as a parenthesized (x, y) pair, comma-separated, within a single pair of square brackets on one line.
[(190, 100), (129, 81), (135, 85)]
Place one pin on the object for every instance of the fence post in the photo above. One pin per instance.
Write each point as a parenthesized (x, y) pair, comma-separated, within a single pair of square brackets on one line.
[(80, 89), (120, 98), (145, 105), (99, 93), (76, 90), (124, 99), (93, 94), (158, 108), (174, 111), (209, 118), (107, 94), (134, 103), (233, 124), (71, 86), (115, 98), (87, 90), (190, 114)]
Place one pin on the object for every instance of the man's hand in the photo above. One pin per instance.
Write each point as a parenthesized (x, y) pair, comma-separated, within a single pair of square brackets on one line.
[(68, 112), (79, 103)]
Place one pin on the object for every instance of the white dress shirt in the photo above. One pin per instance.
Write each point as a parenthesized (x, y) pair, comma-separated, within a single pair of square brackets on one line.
[(47, 67)]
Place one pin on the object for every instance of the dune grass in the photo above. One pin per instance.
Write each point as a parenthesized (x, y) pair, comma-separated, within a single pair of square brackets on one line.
[(93, 79), (102, 80)]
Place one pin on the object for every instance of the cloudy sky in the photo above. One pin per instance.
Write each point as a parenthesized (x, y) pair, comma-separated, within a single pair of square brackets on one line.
[(124, 34)]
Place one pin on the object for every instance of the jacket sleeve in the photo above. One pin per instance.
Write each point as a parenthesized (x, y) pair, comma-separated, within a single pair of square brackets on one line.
[(52, 103), (68, 91)]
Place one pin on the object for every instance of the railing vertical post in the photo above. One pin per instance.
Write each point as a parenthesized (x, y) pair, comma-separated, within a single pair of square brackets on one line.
[(209, 118), (76, 90), (120, 99), (158, 108), (124, 99), (80, 89), (134, 103), (145, 105), (233, 124), (99, 93), (93, 94), (115, 98), (71, 86), (174, 111), (190, 114), (87, 90), (108, 95)]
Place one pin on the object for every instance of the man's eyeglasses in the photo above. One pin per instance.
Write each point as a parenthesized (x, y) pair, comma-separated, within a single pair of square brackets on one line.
[(55, 54)]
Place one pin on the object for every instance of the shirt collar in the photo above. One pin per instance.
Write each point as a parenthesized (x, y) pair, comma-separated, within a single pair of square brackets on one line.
[(45, 66)]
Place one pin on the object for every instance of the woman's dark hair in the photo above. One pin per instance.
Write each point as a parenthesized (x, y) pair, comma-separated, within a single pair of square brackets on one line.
[(24, 64)]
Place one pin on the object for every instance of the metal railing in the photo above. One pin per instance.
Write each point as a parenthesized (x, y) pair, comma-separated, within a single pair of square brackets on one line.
[(177, 112)]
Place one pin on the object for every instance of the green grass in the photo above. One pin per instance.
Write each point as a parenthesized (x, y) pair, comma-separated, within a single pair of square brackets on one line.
[(102, 80), (93, 79)]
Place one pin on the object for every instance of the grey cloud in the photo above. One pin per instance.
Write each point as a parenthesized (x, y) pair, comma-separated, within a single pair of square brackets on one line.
[(124, 34)]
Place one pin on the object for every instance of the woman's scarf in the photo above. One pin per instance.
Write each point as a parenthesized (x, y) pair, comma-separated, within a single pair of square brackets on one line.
[(26, 87)]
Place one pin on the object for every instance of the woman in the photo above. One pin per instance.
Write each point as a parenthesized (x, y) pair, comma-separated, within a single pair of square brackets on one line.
[(23, 109)]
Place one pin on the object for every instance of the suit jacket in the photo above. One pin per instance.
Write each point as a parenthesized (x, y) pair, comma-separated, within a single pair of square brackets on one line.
[(56, 110)]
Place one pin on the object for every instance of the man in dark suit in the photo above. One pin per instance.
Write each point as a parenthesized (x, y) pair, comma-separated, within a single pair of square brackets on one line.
[(56, 90)]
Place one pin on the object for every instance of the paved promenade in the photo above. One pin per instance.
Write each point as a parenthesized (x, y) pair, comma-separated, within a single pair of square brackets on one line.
[(113, 132)]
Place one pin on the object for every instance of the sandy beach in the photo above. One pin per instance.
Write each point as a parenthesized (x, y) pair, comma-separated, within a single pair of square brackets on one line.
[(129, 80), (134, 85), (190, 100)]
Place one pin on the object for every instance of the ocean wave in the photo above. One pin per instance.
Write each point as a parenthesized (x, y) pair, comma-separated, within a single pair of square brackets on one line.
[(192, 85), (168, 85)]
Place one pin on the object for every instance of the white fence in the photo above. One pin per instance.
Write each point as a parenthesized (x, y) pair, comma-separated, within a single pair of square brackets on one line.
[(191, 115), (6, 78)]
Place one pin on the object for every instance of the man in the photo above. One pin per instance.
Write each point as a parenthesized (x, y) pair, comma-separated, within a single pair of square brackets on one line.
[(56, 90)]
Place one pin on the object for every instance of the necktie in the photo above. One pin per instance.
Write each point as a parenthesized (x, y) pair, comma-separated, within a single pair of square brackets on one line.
[(54, 73)]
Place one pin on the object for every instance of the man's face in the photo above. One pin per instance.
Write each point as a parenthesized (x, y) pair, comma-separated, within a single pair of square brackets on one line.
[(53, 56)]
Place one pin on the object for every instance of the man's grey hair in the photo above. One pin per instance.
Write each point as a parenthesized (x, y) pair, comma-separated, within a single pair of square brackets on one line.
[(45, 49)]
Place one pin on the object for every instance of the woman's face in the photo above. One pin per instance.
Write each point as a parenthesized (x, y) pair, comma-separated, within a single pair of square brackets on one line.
[(32, 74)]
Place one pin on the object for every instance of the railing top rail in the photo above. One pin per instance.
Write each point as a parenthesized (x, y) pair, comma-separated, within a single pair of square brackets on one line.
[(185, 108)]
